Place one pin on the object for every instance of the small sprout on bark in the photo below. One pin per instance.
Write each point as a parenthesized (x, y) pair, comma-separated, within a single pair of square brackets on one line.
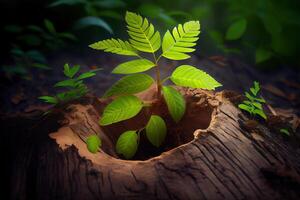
[(74, 85), (253, 104)]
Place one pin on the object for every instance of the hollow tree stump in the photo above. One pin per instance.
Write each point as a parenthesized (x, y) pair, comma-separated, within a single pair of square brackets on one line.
[(217, 158)]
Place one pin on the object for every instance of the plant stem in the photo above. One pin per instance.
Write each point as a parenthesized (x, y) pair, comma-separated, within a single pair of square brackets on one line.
[(158, 81)]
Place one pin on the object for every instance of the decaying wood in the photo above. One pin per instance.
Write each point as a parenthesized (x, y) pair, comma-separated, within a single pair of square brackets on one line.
[(217, 158)]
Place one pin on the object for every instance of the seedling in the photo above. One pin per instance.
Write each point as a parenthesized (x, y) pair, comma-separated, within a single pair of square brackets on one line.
[(176, 45), (73, 84), (253, 104)]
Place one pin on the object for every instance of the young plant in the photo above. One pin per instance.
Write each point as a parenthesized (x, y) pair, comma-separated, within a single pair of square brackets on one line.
[(74, 85), (253, 104), (176, 45)]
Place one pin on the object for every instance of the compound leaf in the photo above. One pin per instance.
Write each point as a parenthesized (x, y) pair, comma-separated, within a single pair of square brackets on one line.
[(181, 42), (116, 46), (93, 143), (189, 76), (175, 102), (122, 108), (142, 33), (127, 144), (133, 66), (130, 84), (156, 130)]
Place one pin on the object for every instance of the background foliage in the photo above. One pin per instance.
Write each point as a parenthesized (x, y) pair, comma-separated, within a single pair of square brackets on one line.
[(261, 32)]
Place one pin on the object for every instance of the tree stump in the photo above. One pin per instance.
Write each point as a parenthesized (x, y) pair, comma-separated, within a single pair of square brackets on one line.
[(209, 154)]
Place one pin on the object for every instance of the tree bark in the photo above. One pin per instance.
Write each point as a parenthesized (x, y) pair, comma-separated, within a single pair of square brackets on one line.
[(218, 157)]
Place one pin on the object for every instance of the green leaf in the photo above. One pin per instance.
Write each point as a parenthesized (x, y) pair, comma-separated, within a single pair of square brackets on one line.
[(133, 66), (50, 26), (285, 131), (246, 107), (49, 99), (260, 113), (254, 90), (156, 130), (70, 71), (127, 144), (181, 42), (257, 105), (130, 84), (262, 55), (236, 29), (142, 33), (66, 83), (116, 46), (86, 75), (189, 76), (93, 21), (251, 98), (249, 103), (122, 108), (93, 143), (175, 102)]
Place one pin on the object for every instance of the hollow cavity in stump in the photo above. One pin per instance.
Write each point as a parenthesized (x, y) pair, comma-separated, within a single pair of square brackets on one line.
[(198, 116)]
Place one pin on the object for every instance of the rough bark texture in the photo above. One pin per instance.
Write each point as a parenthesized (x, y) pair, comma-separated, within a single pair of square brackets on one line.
[(225, 160)]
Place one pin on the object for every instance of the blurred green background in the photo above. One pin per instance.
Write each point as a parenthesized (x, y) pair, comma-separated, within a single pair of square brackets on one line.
[(263, 33)]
